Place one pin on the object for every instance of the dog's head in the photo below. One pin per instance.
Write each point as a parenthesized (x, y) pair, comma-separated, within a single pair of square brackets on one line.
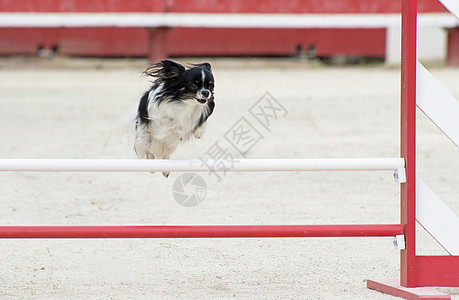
[(195, 83)]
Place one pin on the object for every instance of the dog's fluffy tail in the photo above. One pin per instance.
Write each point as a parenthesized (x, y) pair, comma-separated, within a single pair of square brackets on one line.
[(123, 133)]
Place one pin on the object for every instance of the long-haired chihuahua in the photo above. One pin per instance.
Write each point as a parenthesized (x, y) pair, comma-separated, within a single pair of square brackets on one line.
[(175, 107)]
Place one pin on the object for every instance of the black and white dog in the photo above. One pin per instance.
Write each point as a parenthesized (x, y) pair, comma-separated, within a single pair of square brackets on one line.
[(174, 108)]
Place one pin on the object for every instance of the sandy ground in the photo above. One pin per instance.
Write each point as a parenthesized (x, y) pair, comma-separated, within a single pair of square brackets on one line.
[(65, 108)]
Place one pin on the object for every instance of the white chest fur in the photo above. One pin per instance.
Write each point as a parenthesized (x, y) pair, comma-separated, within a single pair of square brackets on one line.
[(175, 121)]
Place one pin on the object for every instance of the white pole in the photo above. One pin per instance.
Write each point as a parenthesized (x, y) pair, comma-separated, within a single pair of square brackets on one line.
[(200, 165), (211, 20)]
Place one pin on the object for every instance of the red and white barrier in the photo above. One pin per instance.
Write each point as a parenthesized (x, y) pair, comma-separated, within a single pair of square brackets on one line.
[(161, 45), (418, 202)]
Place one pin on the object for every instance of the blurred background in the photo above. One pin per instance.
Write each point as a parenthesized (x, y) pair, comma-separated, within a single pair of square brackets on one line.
[(437, 43)]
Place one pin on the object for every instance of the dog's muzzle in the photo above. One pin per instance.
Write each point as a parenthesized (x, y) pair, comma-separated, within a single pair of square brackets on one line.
[(204, 96)]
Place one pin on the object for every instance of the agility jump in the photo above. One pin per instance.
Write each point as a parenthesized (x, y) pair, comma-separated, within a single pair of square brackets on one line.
[(415, 271)]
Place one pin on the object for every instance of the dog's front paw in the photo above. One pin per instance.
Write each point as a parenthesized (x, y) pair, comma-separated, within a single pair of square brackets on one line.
[(198, 132), (179, 135)]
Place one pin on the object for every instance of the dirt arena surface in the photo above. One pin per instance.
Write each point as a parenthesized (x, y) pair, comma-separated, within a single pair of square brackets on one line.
[(76, 108)]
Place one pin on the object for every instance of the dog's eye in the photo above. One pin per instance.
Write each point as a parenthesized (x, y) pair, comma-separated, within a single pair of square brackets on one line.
[(193, 86), (211, 86)]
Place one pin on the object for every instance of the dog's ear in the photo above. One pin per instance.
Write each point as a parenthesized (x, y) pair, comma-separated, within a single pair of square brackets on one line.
[(172, 69), (205, 65), (165, 69)]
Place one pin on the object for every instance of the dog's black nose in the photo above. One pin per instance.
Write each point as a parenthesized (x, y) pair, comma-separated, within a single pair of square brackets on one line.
[(205, 93)]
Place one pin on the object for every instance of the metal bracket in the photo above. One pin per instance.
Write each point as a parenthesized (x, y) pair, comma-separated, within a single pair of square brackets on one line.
[(399, 242), (400, 175)]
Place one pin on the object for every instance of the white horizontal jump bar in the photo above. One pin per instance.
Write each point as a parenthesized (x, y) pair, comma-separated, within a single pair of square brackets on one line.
[(215, 20), (200, 165)]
